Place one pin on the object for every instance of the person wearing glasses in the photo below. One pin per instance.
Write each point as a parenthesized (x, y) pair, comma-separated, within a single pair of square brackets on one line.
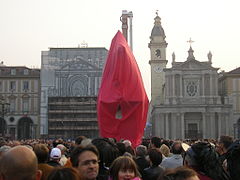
[(86, 161)]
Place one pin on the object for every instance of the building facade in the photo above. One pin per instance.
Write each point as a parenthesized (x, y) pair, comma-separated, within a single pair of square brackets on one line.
[(185, 101), (69, 117), (20, 99), (229, 87), (69, 72)]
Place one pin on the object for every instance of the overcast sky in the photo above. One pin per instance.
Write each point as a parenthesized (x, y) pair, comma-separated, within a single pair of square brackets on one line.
[(28, 27)]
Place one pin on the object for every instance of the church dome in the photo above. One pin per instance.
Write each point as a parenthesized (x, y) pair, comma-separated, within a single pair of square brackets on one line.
[(157, 29)]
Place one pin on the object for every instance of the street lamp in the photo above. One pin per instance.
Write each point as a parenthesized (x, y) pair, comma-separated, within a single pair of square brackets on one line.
[(4, 108)]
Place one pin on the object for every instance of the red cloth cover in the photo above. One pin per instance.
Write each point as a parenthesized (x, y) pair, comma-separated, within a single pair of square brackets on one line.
[(122, 88)]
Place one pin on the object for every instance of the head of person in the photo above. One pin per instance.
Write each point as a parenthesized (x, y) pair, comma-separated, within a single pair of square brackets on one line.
[(141, 151), (164, 149), (225, 142), (79, 139), (123, 168), (55, 154), (176, 147), (108, 151), (62, 148), (85, 160), (180, 173), (42, 152), (155, 142), (155, 156), (64, 174), (4, 149), (19, 163), (202, 157)]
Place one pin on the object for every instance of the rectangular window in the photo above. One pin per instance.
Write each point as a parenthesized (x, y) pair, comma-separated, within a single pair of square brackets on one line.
[(1, 86), (25, 85), (12, 105), (12, 85), (25, 105), (13, 71)]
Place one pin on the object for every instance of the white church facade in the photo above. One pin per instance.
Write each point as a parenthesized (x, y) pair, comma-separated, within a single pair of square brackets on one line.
[(185, 102)]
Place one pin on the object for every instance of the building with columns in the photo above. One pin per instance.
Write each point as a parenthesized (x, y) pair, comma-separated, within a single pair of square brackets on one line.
[(229, 87), (185, 101), (69, 72), (19, 102)]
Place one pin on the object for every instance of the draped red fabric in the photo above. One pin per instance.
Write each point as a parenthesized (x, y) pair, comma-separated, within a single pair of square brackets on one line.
[(122, 101)]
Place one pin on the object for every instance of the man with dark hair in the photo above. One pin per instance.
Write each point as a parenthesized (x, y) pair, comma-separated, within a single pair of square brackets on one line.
[(176, 159), (154, 171), (203, 158), (85, 160), (19, 163), (141, 152), (155, 142), (224, 143)]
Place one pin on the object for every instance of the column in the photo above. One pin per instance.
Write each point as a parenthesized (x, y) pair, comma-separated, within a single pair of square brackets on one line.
[(167, 126), (181, 90), (89, 85), (182, 126), (204, 125), (203, 88)]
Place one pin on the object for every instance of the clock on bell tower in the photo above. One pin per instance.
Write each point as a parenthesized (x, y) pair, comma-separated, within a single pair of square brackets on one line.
[(158, 61)]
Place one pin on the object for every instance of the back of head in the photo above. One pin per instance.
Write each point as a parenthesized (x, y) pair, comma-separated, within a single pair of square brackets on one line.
[(156, 142), (79, 139), (42, 152), (164, 149), (155, 156), (206, 160), (64, 174), (141, 150), (233, 160), (176, 147), (180, 173), (18, 163), (108, 151), (226, 141)]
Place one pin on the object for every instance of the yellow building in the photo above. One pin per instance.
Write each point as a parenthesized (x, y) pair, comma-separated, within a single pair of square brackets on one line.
[(229, 87)]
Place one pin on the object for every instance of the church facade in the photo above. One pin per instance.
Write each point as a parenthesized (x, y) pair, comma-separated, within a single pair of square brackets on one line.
[(185, 101)]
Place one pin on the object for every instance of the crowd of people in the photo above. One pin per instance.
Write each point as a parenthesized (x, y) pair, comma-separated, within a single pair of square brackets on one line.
[(106, 159)]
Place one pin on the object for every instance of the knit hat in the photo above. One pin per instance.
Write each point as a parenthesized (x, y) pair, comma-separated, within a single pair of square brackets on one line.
[(55, 153)]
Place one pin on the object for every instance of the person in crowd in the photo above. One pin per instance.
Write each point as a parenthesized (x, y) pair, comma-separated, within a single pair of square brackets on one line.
[(121, 147), (233, 160), (79, 139), (42, 153), (55, 157), (176, 160), (154, 171), (19, 163), (64, 173), (85, 160), (124, 168), (63, 159), (155, 142), (180, 173), (222, 148), (4, 149), (203, 158), (164, 149), (108, 152), (141, 161)]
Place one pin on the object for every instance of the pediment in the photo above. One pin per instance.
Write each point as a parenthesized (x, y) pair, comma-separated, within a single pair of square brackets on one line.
[(194, 64), (80, 64)]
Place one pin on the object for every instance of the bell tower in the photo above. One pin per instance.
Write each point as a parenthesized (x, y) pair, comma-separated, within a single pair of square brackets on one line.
[(158, 61)]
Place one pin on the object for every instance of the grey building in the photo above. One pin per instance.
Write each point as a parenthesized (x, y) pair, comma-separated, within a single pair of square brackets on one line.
[(69, 72), (185, 101)]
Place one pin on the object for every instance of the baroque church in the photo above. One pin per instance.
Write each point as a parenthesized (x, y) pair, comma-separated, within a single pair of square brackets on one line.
[(185, 102)]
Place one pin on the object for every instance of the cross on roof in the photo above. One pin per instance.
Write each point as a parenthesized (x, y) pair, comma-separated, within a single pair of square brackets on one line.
[(190, 41)]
